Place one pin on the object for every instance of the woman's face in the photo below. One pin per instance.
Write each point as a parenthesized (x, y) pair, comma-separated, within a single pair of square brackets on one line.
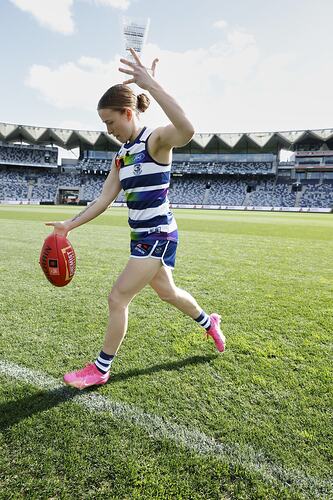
[(117, 123)]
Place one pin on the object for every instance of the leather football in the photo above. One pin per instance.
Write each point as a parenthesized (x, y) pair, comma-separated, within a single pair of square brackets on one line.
[(58, 260)]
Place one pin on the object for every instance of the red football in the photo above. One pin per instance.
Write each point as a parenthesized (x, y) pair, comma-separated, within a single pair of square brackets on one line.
[(57, 259)]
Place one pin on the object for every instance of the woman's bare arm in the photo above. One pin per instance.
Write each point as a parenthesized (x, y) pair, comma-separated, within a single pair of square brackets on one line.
[(181, 130), (110, 191)]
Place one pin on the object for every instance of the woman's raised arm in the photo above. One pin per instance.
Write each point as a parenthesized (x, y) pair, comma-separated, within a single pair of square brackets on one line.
[(181, 130)]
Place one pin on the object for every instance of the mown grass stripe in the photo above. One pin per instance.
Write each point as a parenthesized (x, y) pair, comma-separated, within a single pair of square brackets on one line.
[(159, 428)]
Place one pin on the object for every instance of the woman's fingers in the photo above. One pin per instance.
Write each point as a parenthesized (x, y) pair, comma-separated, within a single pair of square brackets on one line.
[(126, 61), (135, 55), (134, 71), (153, 66), (129, 81), (127, 71)]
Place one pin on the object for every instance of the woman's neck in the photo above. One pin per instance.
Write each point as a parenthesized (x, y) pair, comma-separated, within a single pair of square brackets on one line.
[(136, 131)]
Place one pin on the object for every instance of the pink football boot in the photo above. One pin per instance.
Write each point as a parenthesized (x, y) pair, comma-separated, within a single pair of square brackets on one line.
[(215, 332), (87, 376)]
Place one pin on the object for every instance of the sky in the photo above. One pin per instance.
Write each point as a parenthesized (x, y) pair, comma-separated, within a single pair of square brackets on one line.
[(233, 66)]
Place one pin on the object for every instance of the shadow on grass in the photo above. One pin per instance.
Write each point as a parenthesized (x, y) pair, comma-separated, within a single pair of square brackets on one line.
[(14, 411), (175, 366)]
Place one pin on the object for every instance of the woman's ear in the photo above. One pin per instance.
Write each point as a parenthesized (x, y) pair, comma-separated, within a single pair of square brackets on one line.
[(129, 114)]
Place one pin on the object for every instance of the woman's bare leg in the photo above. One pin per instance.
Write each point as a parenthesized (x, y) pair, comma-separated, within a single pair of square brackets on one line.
[(136, 275), (165, 287)]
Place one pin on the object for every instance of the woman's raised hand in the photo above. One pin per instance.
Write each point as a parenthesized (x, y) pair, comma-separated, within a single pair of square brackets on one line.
[(138, 71)]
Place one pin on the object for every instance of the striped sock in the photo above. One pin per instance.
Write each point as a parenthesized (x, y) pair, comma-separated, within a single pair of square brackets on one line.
[(203, 320), (103, 362)]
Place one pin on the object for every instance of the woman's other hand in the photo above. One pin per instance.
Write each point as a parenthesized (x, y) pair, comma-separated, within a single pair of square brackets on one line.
[(60, 227)]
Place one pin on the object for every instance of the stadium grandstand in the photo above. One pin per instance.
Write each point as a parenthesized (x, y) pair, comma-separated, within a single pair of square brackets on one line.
[(222, 171)]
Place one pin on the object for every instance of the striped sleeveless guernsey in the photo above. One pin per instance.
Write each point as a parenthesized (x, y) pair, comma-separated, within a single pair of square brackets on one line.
[(146, 184)]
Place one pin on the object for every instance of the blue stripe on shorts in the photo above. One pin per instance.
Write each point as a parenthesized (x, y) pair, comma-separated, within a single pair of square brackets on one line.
[(161, 249)]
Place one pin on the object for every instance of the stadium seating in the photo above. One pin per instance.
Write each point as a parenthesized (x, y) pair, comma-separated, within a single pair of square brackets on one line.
[(13, 154), (13, 186), (95, 164), (229, 168), (92, 186), (187, 190), (23, 183), (317, 195), (226, 192), (268, 193)]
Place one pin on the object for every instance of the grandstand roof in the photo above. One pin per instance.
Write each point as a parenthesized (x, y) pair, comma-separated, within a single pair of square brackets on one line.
[(256, 142)]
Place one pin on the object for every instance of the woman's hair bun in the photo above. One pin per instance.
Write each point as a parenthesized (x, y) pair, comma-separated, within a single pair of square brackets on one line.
[(143, 102)]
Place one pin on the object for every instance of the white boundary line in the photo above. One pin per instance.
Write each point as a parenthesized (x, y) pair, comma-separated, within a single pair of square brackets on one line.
[(194, 440)]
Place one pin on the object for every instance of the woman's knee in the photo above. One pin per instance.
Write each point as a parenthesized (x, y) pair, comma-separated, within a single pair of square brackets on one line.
[(117, 300), (168, 294)]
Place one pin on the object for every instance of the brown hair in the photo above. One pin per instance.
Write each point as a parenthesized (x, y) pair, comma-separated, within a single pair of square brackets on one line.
[(121, 96)]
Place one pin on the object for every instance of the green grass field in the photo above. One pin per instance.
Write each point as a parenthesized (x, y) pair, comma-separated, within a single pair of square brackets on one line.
[(254, 422)]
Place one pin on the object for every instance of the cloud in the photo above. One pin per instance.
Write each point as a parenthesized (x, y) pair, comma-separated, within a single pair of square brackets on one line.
[(73, 85), (220, 24), (240, 39), (196, 75), (117, 4), (231, 86), (55, 15)]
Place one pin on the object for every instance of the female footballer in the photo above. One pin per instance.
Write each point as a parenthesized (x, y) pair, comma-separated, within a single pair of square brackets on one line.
[(142, 169)]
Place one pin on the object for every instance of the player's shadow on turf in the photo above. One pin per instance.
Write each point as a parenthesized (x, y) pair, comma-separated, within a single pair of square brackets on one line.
[(14, 411), (168, 367)]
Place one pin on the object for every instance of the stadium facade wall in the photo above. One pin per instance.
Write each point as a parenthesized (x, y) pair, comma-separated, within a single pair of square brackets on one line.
[(244, 208), (201, 207)]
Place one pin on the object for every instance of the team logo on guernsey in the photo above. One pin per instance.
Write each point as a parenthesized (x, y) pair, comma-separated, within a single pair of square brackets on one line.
[(139, 157), (137, 169)]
